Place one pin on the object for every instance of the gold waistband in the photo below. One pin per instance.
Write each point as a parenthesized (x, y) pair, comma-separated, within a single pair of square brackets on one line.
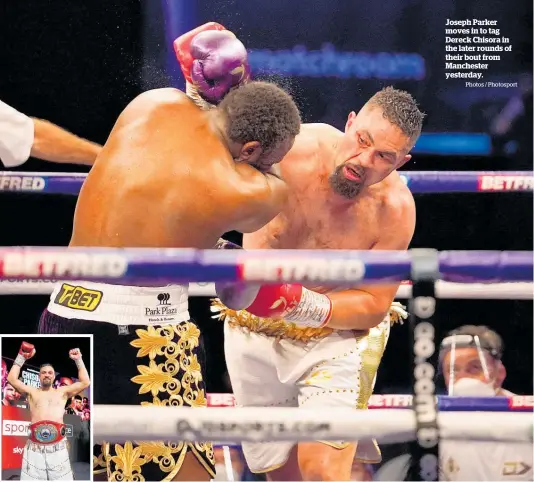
[(276, 328)]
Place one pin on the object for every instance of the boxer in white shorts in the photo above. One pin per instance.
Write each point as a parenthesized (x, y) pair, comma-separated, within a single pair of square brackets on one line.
[(46, 454), (345, 194)]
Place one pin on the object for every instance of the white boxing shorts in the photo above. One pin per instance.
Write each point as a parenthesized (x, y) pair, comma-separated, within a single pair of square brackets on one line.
[(337, 369), (46, 462)]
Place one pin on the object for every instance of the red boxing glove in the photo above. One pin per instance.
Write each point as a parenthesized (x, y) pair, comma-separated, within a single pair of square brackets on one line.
[(26, 351), (294, 303), (182, 47)]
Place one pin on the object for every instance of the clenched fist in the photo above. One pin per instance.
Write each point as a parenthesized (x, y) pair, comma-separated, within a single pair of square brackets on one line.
[(27, 350), (75, 354)]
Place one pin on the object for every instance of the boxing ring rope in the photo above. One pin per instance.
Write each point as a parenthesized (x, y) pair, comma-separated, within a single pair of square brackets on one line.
[(139, 266), (419, 182), (116, 423), (444, 290), (515, 403)]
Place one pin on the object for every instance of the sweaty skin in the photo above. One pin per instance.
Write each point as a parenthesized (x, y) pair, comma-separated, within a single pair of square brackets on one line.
[(49, 405), (381, 216), (166, 179), (45, 403)]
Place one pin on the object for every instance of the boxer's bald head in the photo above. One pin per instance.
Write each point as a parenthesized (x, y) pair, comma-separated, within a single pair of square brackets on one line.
[(377, 141), (260, 123)]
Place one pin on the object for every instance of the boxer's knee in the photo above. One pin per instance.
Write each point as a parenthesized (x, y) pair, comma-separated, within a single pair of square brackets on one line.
[(288, 471), (318, 461)]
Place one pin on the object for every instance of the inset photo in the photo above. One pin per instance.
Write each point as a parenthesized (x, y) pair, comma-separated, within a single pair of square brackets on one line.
[(46, 407)]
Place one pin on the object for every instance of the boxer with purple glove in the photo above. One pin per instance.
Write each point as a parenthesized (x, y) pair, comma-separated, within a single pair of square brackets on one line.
[(171, 175)]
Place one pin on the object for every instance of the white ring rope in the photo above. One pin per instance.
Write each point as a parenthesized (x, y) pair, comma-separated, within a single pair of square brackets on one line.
[(444, 290), (117, 423)]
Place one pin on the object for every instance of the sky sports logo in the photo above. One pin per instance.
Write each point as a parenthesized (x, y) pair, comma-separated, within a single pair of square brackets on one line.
[(20, 428), (15, 428)]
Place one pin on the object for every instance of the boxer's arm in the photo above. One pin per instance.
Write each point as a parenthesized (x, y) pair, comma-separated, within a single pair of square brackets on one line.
[(16, 136), (52, 143), (83, 376), (360, 308), (75, 388), (261, 198), (365, 307), (13, 380)]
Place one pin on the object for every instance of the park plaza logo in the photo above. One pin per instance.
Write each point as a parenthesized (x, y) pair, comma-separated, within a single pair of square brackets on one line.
[(164, 308), (163, 299)]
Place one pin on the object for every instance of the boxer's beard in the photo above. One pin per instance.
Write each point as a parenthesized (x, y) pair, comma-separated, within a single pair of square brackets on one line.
[(343, 186), (47, 382)]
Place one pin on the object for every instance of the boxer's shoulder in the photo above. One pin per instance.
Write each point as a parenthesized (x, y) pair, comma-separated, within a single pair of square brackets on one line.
[(316, 137), (309, 149), (397, 206), (157, 100), (397, 198)]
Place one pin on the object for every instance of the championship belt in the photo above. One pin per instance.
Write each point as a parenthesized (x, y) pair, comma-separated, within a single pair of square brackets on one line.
[(47, 432)]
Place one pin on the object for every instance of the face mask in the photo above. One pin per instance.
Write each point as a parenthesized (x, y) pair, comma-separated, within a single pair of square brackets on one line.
[(472, 387)]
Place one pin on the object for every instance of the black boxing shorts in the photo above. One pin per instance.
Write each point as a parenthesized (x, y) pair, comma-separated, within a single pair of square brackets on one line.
[(124, 357)]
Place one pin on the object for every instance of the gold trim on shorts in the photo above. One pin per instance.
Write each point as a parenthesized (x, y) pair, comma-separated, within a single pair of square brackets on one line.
[(172, 376), (276, 327), (271, 467)]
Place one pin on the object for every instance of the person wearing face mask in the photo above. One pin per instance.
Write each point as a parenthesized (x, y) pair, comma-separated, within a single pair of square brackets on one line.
[(470, 358), (471, 361)]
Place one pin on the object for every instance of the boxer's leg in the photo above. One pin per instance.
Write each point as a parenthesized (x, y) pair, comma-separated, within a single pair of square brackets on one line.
[(343, 374), (251, 360), (33, 463), (50, 323), (58, 462), (129, 362)]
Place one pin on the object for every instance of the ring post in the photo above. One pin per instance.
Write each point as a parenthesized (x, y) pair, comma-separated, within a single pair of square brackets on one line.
[(424, 450)]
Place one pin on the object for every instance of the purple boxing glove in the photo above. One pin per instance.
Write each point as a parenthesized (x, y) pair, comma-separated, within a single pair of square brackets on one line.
[(213, 61), (220, 64)]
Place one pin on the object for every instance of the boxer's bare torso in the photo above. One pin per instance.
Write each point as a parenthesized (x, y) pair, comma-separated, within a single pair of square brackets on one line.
[(165, 179), (315, 217), (47, 405)]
